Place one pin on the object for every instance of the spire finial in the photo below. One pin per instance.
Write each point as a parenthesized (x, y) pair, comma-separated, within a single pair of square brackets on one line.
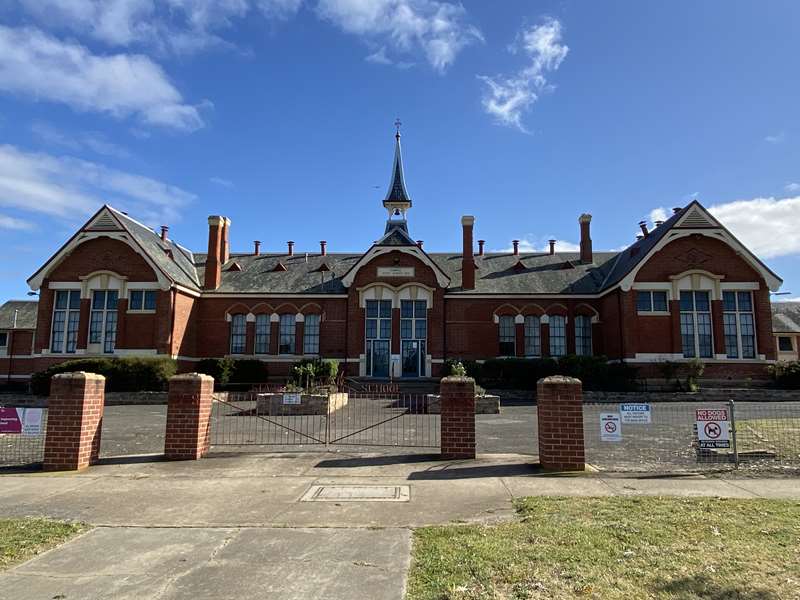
[(397, 123)]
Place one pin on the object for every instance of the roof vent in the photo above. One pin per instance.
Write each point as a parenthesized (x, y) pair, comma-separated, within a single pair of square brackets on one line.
[(695, 218), (234, 267), (103, 222), (324, 268), (519, 266), (280, 267)]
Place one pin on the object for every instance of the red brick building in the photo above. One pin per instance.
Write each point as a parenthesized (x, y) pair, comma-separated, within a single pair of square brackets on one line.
[(686, 289)]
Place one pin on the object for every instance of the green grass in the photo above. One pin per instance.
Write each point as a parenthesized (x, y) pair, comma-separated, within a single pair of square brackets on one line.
[(677, 548), (779, 435), (21, 539)]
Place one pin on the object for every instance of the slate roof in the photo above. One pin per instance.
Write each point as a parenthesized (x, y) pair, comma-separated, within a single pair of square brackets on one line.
[(26, 315), (397, 185), (786, 317)]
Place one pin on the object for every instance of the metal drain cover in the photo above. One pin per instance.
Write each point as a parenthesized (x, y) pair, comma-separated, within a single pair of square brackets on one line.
[(357, 493)]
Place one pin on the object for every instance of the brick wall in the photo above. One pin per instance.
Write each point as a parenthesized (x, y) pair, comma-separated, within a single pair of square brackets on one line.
[(560, 419), (457, 398), (74, 421)]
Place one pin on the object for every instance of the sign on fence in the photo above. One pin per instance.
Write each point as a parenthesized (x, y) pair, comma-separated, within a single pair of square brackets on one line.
[(292, 398), (610, 427), (25, 421), (713, 429), (636, 414)]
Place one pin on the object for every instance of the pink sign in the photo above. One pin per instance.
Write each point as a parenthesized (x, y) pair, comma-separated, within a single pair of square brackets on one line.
[(10, 421)]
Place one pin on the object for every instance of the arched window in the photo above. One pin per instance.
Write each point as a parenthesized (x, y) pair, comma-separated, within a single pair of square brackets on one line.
[(311, 335), (696, 330), (533, 338), (103, 319), (558, 335), (263, 327), (238, 334), (583, 335), (287, 334), (508, 336)]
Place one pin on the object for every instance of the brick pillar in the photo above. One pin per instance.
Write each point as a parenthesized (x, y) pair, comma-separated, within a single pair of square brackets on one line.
[(458, 417), (188, 416), (74, 421), (560, 414)]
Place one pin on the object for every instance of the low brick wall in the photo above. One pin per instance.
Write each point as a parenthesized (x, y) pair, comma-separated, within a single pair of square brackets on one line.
[(484, 405)]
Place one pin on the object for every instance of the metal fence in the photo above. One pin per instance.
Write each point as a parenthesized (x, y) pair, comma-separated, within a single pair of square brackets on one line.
[(355, 419), (24, 448), (690, 436)]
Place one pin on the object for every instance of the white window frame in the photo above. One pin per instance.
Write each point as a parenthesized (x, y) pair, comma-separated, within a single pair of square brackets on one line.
[(290, 320), (737, 314), (696, 330), (68, 313), (311, 335), (105, 313), (652, 312), (505, 339), (532, 332), (562, 337), (237, 335), (144, 293), (260, 321), (583, 324)]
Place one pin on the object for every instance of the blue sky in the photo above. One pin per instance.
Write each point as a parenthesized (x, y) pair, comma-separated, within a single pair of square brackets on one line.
[(278, 114)]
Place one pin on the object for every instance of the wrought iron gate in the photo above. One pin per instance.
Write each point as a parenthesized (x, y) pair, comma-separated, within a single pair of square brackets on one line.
[(356, 419)]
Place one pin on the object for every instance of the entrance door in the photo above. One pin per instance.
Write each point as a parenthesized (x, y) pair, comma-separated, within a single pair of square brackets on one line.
[(378, 336), (411, 356), (380, 358)]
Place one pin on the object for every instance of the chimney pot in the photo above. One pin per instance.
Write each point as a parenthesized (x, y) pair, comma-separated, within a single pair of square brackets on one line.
[(164, 231), (676, 210), (419, 244), (323, 247), (659, 223), (290, 251), (515, 243), (256, 247), (552, 246), (480, 247), (467, 257), (643, 227), (585, 221)]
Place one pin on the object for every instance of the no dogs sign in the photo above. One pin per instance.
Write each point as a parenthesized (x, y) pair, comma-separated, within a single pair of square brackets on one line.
[(713, 430), (610, 427)]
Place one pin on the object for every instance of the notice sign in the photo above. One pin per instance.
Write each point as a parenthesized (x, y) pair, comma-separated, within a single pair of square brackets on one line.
[(24, 421), (636, 414), (610, 427), (713, 430), (292, 399)]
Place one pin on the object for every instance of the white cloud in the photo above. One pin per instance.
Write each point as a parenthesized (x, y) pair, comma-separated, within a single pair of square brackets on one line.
[(7, 222), (85, 140), (658, 214), (784, 299), (279, 9), (530, 243), (776, 138), (220, 181), (67, 187), (767, 226), (38, 65), (792, 187), (507, 98), (437, 29)]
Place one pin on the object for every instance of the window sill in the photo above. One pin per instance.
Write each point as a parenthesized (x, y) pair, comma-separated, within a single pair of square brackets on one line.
[(653, 313), (140, 312)]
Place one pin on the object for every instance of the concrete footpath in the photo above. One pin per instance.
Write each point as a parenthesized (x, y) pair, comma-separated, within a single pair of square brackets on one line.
[(241, 526)]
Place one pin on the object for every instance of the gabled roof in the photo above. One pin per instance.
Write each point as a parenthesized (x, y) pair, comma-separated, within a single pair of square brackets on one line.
[(172, 261), (786, 317), (26, 311), (396, 235), (397, 185)]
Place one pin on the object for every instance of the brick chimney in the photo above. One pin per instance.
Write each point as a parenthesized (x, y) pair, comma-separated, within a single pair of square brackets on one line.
[(586, 241), (216, 227), (419, 244), (515, 243), (290, 248), (467, 258), (552, 246), (256, 247), (480, 247), (226, 245), (323, 247), (164, 232)]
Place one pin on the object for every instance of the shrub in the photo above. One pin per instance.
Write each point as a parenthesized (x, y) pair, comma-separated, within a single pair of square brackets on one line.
[(694, 371), (248, 371), (786, 374), (314, 371), (122, 374), (220, 369)]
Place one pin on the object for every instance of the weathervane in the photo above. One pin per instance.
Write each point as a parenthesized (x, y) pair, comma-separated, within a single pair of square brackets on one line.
[(398, 123)]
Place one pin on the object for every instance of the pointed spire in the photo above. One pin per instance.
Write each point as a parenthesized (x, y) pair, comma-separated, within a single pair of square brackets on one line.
[(397, 193)]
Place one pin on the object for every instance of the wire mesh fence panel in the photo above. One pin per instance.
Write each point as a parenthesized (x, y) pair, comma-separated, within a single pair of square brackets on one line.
[(385, 419), (25, 445), (692, 436)]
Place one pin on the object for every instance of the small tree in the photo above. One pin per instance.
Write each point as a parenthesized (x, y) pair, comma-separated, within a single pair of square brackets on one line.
[(694, 371)]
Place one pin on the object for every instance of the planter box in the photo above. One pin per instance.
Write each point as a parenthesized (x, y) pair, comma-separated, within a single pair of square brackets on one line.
[(309, 404)]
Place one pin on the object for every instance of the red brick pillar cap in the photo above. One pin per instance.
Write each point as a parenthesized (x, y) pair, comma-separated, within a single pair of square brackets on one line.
[(559, 380), (191, 377), (79, 375)]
